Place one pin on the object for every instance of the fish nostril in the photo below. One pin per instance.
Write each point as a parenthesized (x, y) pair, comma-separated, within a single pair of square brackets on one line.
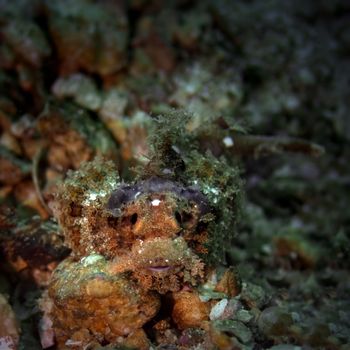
[(112, 222), (133, 218)]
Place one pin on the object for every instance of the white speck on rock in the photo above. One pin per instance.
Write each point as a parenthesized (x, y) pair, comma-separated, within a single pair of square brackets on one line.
[(71, 342), (156, 202), (91, 259), (228, 141), (218, 309)]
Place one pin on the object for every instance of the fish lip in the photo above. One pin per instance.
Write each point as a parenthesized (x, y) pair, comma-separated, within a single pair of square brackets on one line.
[(159, 269)]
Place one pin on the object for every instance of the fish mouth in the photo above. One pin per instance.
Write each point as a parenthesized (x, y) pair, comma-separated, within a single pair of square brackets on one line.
[(159, 269)]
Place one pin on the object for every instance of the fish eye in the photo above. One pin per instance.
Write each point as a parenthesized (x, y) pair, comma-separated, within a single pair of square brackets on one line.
[(133, 218), (178, 217)]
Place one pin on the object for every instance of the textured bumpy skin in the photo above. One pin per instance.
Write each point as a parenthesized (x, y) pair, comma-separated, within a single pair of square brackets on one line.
[(130, 246), (158, 223)]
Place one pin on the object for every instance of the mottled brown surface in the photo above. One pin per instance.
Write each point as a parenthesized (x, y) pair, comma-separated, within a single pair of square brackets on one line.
[(92, 305), (189, 311)]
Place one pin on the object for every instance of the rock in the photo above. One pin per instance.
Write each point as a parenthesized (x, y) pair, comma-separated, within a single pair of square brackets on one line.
[(236, 328), (9, 328), (218, 309), (189, 311), (253, 295), (275, 321), (89, 302)]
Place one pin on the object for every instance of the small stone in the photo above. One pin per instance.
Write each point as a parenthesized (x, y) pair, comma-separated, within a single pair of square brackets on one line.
[(189, 311), (253, 295), (218, 309), (113, 105), (244, 316), (275, 321), (236, 328), (80, 87)]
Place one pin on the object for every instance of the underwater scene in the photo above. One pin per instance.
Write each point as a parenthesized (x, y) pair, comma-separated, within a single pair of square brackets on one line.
[(174, 174)]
